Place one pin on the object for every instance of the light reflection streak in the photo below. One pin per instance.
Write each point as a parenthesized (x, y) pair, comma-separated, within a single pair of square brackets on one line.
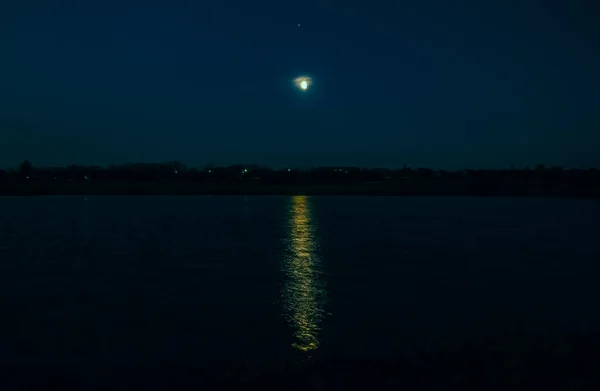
[(304, 290)]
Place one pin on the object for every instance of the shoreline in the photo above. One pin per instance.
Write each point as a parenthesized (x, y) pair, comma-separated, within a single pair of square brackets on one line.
[(426, 189)]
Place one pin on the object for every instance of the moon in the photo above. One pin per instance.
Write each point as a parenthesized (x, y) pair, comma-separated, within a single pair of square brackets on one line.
[(303, 82)]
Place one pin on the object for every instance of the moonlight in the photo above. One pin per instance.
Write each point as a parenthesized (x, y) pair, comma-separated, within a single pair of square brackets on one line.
[(303, 82)]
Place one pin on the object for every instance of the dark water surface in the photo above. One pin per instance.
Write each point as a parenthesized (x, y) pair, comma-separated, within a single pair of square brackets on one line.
[(140, 281)]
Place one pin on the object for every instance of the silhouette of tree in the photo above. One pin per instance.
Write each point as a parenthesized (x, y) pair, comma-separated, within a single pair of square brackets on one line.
[(25, 169), (159, 177)]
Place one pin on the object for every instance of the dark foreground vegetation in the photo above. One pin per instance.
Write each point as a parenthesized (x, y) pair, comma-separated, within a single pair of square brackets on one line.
[(508, 363), (176, 178)]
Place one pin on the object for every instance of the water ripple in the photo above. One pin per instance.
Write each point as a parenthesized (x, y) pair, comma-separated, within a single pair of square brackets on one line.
[(304, 290)]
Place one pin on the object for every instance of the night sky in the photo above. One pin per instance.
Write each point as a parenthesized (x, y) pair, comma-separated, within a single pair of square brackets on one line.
[(443, 84)]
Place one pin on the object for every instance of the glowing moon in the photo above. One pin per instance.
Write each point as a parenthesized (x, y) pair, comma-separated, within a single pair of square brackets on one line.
[(303, 82)]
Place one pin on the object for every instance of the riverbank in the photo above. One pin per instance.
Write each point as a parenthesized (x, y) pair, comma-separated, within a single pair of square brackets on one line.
[(391, 188)]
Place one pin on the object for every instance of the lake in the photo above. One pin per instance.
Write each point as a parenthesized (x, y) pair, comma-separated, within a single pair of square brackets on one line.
[(90, 283)]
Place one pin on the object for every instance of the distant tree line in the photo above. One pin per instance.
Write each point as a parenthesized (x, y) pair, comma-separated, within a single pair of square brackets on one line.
[(240, 178)]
